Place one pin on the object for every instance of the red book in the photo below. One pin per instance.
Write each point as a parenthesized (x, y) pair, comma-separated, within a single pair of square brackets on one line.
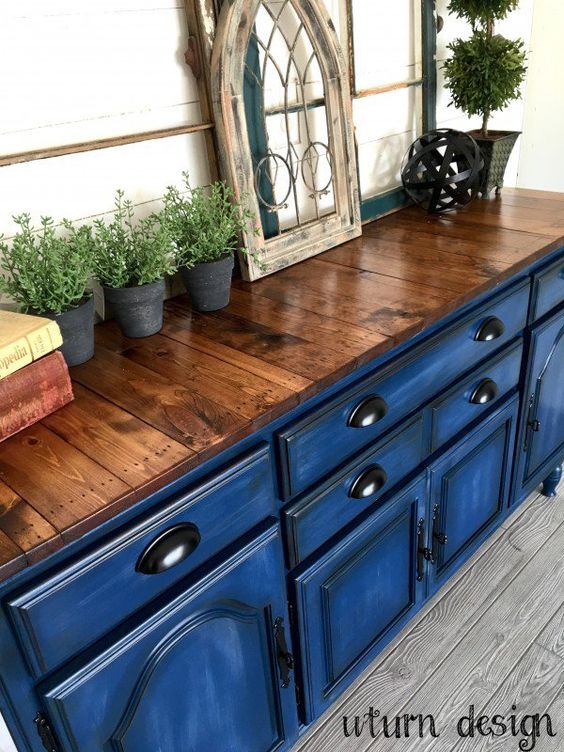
[(32, 393)]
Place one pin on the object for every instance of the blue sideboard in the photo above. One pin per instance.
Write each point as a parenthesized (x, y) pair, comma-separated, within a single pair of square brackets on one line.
[(227, 611)]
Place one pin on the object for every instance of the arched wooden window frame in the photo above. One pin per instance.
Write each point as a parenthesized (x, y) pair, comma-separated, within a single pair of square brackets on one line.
[(267, 255)]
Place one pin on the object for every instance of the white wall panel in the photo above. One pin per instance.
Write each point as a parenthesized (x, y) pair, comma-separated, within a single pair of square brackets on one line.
[(83, 185), (95, 73)]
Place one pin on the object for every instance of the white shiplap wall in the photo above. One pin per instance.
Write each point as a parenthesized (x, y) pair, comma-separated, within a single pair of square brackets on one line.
[(77, 71)]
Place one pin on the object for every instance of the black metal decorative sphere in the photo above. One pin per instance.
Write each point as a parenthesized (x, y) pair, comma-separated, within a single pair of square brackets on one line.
[(441, 170)]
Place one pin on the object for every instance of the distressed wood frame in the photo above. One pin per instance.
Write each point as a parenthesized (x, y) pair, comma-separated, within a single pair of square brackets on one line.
[(233, 31)]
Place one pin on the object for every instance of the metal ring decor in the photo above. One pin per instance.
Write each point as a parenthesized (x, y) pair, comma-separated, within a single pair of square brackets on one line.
[(263, 166), (318, 151), (441, 170)]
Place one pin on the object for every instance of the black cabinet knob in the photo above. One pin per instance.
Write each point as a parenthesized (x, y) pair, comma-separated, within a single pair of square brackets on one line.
[(169, 549), (490, 329), (369, 482), (485, 392), (366, 413)]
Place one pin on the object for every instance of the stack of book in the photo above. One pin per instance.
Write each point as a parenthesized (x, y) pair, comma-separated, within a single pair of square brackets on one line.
[(34, 378)]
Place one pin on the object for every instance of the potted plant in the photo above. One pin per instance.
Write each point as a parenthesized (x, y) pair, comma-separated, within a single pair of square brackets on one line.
[(204, 224), (484, 74), (48, 274), (131, 261)]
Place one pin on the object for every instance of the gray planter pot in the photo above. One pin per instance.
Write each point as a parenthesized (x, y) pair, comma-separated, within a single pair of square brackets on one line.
[(209, 285), (77, 330), (496, 150), (138, 310)]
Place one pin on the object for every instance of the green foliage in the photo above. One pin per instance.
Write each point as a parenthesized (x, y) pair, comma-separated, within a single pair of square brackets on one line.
[(482, 11), (485, 73), (127, 254), (204, 223), (46, 271)]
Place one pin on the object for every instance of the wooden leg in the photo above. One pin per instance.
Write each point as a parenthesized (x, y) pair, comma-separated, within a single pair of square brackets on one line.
[(551, 481)]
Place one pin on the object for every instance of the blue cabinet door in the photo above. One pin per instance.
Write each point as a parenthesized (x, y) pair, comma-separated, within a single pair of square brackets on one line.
[(204, 673), (356, 597), (469, 492), (542, 447)]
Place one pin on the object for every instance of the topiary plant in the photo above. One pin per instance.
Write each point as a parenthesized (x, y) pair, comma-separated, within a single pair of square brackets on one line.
[(46, 271), (204, 224), (484, 73), (129, 254)]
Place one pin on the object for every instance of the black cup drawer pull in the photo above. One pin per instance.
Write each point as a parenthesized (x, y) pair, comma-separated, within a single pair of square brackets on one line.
[(169, 549), (367, 412), (491, 329), (486, 391), (369, 482)]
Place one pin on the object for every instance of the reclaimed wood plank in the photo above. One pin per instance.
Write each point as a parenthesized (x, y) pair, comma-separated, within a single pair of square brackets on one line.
[(64, 486), (12, 558), (431, 268), (116, 440), (25, 527), (242, 393), (319, 365), (184, 325), (344, 338), (175, 410)]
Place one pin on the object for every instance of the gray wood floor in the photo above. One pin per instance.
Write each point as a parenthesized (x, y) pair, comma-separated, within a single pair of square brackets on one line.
[(493, 637)]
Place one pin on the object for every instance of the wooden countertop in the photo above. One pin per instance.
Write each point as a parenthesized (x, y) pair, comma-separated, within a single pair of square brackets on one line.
[(147, 411)]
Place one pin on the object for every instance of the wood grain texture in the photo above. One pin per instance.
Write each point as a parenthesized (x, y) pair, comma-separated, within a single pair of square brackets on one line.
[(114, 438), (209, 380), (25, 526), (65, 486)]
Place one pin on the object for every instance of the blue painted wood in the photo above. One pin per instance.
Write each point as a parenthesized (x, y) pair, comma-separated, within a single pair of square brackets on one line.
[(550, 483), (312, 520), (163, 613), (542, 447), (469, 491), (199, 674), (105, 582), (357, 596), (455, 409), (408, 382), (376, 206), (548, 289)]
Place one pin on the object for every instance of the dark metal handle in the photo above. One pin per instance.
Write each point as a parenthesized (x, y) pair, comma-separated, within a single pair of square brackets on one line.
[(45, 733), (284, 657), (421, 550), (368, 412), (490, 329), (485, 392), (169, 549), (439, 539), (369, 482)]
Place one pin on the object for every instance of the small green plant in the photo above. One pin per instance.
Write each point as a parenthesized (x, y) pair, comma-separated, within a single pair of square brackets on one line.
[(204, 223), (129, 253), (44, 270), (484, 73)]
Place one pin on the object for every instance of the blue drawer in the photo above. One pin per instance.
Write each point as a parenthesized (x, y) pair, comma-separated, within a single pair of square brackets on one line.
[(392, 393), (474, 396), (64, 613), (548, 289), (312, 520)]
